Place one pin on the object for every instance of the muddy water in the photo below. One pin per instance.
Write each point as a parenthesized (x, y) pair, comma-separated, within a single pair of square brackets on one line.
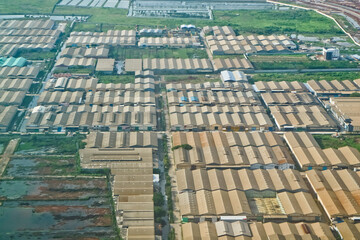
[(21, 167), (24, 218), (10, 189)]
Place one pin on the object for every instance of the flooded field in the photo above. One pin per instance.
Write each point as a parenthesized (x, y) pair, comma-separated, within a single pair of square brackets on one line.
[(27, 166), (44, 196)]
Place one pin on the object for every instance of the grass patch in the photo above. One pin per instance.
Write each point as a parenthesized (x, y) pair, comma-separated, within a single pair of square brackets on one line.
[(227, 56), (34, 55), (4, 141), (27, 100), (124, 53), (116, 78), (199, 78), (326, 141), (27, 6), (75, 70), (244, 21), (50, 144), (269, 62), (304, 77)]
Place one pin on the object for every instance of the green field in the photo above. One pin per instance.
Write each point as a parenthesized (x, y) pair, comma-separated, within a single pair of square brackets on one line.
[(33, 55), (244, 21), (51, 144), (116, 78), (304, 77), (124, 53), (195, 78), (326, 141), (79, 70), (26, 6), (269, 62)]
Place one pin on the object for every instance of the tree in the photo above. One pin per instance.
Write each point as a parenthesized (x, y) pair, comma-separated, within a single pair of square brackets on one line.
[(159, 212), (158, 199), (355, 94)]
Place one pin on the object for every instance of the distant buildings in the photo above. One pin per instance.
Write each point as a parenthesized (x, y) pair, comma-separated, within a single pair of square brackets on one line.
[(28, 35), (346, 110), (331, 53), (224, 41), (234, 76), (109, 38)]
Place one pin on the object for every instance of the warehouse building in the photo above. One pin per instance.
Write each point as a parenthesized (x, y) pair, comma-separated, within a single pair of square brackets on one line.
[(141, 84), (120, 97), (242, 64), (283, 86), (30, 42), (71, 84), (346, 110), (237, 121), (269, 195), (82, 52), (144, 74), (66, 63), (132, 170), (285, 207), (292, 98), (27, 24), (325, 89), (256, 230), (169, 42), (11, 98), (255, 183), (302, 117), (122, 140), (56, 84), (213, 86), (8, 50), (7, 115), (19, 72), (85, 118), (12, 62), (30, 32), (216, 109), (105, 65), (56, 98), (210, 98), (223, 41), (337, 192), (113, 33), (8, 84), (177, 65), (348, 230), (231, 150), (134, 65), (219, 31), (109, 38), (146, 32), (233, 76), (29, 35), (309, 155), (144, 80)]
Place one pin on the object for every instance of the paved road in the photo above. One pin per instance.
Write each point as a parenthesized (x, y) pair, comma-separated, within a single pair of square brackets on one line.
[(7, 154), (308, 70)]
